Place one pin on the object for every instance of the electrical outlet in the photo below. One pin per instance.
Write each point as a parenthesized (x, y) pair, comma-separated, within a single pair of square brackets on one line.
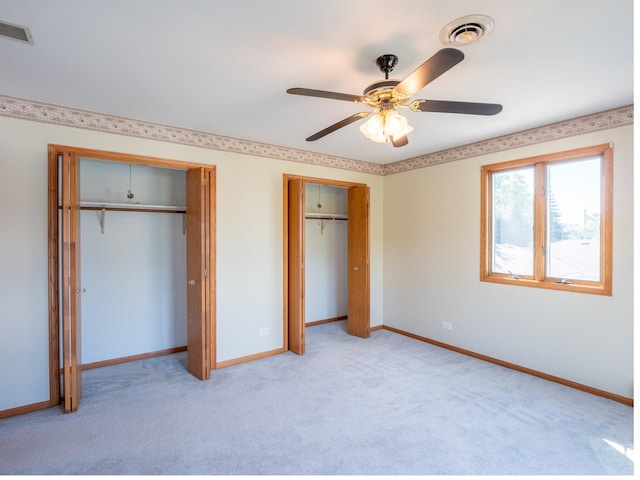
[(264, 331), (447, 325)]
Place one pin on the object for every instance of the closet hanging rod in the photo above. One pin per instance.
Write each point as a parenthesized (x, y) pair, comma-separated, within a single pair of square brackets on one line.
[(324, 216), (131, 207)]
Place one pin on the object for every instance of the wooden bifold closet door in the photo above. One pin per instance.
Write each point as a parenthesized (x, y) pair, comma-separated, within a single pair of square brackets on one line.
[(358, 291), (65, 288), (69, 168), (199, 283), (358, 310), (296, 266)]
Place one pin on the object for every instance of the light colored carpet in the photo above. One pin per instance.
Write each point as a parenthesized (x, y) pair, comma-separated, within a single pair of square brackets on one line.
[(385, 405)]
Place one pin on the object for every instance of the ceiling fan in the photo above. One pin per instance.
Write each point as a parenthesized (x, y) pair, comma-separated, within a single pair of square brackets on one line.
[(385, 96)]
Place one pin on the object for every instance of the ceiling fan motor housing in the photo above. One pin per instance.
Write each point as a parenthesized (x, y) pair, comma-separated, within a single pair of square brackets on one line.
[(386, 63), (379, 86)]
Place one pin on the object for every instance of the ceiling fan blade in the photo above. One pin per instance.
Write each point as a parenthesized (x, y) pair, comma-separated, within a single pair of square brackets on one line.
[(399, 142), (442, 61), (336, 126), (309, 92), (455, 107)]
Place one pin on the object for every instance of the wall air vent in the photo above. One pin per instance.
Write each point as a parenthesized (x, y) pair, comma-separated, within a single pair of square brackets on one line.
[(16, 32)]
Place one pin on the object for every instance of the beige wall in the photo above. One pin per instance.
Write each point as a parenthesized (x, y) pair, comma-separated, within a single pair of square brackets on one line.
[(249, 253), (429, 238), (431, 274)]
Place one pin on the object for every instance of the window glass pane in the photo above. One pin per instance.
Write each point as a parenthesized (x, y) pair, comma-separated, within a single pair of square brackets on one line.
[(512, 222), (573, 220)]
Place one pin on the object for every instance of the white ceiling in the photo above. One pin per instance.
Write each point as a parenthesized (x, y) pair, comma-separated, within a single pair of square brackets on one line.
[(223, 67)]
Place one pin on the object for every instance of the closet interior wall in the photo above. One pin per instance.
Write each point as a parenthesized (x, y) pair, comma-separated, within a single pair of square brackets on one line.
[(325, 253), (133, 261)]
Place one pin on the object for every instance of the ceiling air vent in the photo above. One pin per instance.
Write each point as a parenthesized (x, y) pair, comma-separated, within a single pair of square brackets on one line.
[(16, 32), (466, 30)]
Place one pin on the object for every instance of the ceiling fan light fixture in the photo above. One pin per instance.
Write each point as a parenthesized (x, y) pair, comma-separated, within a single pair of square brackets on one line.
[(384, 125), (466, 30), (373, 128), (396, 125)]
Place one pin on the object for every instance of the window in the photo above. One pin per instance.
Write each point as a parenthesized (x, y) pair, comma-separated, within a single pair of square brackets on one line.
[(547, 221)]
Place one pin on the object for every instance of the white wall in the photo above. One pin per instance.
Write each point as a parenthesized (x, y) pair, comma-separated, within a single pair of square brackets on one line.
[(134, 273), (325, 254), (249, 246), (431, 274)]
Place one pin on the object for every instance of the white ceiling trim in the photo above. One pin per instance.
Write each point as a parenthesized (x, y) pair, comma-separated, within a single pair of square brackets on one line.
[(72, 117)]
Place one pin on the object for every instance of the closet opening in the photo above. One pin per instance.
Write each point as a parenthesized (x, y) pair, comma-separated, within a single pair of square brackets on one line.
[(326, 253), (326, 272), (131, 264)]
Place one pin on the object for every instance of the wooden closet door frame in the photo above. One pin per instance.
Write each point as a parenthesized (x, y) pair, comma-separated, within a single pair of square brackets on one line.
[(359, 321), (54, 150)]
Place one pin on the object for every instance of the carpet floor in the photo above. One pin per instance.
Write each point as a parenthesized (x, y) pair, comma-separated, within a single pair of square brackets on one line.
[(386, 405)]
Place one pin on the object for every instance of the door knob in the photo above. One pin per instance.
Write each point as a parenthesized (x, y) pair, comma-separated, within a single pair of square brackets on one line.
[(81, 290), (192, 282), (355, 268)]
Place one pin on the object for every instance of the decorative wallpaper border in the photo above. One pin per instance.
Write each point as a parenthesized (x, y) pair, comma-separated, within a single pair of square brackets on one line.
[(73, 117), (615, 117)]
